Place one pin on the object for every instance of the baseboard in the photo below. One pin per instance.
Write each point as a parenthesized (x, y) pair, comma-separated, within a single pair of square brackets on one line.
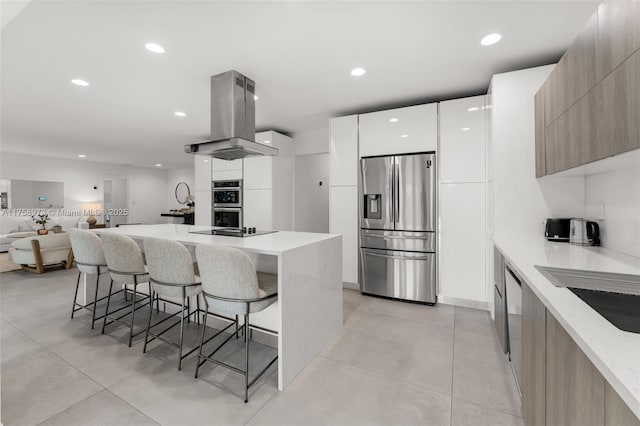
[(350, 286), (463, 303)]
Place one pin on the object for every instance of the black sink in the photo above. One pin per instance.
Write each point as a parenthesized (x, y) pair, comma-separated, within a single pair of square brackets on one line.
[(621, 310)]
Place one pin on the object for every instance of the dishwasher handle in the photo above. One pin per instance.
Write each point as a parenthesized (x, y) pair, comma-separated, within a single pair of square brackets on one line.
[(387, 256)]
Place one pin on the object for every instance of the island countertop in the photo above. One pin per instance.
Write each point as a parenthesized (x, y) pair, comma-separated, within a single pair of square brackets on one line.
[(308, 313), (274, 244)]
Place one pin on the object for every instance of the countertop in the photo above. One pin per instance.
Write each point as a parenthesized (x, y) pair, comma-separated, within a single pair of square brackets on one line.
[(273, 244), (615, 353)]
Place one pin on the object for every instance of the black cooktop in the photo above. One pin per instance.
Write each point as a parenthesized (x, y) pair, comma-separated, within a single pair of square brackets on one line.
[(233, 232)]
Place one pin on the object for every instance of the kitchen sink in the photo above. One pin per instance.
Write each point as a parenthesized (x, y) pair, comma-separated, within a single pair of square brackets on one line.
[(614, 296)]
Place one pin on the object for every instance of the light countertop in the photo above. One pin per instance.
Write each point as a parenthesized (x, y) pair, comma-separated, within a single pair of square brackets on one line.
[(273, 244), (615, 353)]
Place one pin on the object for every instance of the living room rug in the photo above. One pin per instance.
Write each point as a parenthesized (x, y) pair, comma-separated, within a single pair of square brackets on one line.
[(6, 265)]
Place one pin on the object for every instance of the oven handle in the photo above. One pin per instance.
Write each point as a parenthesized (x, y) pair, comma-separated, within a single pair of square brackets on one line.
[(386, 256)]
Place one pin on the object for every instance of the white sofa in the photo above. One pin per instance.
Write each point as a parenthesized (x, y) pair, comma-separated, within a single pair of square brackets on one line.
[(35, 253), (21, 224)]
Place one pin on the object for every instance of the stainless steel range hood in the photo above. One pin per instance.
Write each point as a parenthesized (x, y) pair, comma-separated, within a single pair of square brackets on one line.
[(233, 115)]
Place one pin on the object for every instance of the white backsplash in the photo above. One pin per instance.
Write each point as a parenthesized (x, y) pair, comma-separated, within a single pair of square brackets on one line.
[(616, 194)]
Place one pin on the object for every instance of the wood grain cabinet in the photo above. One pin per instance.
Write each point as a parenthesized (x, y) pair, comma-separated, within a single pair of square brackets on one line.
[(574, 388), (616, 412), (589, 107), (534, 347)]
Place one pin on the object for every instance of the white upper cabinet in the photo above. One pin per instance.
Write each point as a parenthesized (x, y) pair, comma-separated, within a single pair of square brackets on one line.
[(399, 131), (202, 166), (462, 140), (343, 148)]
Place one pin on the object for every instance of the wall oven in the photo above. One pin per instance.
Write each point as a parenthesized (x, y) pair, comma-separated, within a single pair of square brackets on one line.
[(227, 193), (227, 218)]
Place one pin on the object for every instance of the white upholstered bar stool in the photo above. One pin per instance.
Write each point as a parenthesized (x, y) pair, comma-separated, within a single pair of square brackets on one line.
[(89, 255), (232, 286), (172, 276), (126, 267)]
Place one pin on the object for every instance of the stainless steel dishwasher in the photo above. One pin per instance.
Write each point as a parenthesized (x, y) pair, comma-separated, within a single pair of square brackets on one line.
[(514, 322)]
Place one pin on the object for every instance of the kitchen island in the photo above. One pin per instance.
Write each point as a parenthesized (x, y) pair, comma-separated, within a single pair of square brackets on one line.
[(308, 313)]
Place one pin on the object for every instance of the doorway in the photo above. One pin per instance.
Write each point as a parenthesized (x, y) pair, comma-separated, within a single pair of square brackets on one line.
[(116, 201)]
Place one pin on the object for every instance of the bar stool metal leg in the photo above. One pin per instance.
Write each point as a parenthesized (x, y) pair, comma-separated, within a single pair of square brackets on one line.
[(204, 328), (146, 334), (184, 296), (95, 300), (133, 307), (246, 363), (75, 297), (104, 322)]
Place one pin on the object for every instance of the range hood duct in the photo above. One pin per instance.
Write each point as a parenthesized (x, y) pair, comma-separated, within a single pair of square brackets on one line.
[(233, 120)]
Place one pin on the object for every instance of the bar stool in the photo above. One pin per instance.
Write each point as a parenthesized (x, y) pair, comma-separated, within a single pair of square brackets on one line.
[(126, 267), (172, 276), (231, 285), (89, 255)]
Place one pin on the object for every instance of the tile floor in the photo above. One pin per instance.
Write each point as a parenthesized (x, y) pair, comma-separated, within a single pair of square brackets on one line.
[(393, 363)]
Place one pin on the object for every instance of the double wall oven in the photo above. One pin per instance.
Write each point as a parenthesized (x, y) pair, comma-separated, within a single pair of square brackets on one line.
[(227, 203)]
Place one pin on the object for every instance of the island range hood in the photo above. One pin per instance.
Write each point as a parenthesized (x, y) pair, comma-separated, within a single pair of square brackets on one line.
[(233, 120)]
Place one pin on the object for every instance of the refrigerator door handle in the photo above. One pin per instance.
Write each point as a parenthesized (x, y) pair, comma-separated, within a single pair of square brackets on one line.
[(396, 198), (386, 256), (398, 237)]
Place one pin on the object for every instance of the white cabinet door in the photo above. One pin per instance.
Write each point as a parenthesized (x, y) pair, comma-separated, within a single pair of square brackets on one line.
[(398, 131), (462, 140), (343, 219), (257, 173), (343, 148), (202, 172), (203, 208), (257, 209), (462, 241)]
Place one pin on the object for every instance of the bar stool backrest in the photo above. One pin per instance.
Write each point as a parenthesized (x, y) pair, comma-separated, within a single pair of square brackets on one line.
[(123, 255), (227, 272), (87, 250), (168, 262)]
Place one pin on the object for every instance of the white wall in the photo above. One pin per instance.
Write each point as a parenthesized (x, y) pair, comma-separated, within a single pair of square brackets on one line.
[(520, 201), (147, 187), (314, 141), (619, 193), (176, 176)]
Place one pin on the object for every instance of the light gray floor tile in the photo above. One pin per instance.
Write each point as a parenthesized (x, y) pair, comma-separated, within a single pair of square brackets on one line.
[(15, 343), (332, 393), (38, 385), (474, 321), (103, 408), (481, 373), (464, 413), (442, 315), (421, 354), (215, 398), (351, 302), (51, 327)]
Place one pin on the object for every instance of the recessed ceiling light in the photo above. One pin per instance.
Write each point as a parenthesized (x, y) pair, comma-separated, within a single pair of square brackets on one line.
[(155, 48), (267, 141), (158, 165), (357, 72), (465, 129), (179, 114), (393, 120), (81, 156), (205, 161), (472, 109), (255, 97), (490, 39), (404, 136), (79, 82)]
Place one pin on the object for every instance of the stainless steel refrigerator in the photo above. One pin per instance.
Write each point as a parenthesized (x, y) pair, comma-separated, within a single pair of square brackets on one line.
[(398, 226)]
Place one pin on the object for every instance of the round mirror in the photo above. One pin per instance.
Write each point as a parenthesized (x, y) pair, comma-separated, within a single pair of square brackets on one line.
[(182, 193)]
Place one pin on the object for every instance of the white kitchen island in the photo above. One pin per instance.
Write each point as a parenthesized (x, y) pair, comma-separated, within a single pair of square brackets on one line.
[(308, 313)]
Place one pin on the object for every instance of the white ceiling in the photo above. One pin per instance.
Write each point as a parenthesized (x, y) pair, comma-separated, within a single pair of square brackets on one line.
[(299, 54)]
